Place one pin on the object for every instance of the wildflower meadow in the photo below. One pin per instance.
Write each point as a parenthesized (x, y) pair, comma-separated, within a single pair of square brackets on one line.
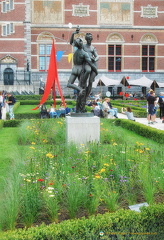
[(51, 180)]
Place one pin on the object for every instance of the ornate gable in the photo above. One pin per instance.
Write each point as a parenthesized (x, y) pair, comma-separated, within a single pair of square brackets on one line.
[(8, 60)]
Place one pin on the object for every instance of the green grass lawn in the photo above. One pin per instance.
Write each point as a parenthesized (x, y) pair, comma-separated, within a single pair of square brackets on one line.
[(26, 108)]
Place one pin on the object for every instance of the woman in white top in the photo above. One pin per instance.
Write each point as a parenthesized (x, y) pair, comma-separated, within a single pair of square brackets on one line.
[(129, 113), (52, 111)]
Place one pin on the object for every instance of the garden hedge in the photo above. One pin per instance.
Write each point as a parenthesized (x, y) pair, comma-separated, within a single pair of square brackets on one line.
[(48, 102), (141, 129), (123, 224)]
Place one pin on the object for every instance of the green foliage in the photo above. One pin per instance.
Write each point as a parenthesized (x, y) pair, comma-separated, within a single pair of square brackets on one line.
[(48, 102), (56, 179), (1, 124), (31, 115), (143, 130), (12, 123), (34, 97), (123, 224)]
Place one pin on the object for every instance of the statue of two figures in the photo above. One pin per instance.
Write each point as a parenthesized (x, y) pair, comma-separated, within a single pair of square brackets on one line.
[(85, 68)]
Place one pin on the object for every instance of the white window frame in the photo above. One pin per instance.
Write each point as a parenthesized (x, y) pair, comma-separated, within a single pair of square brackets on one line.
[(7, 29), (7, 6)]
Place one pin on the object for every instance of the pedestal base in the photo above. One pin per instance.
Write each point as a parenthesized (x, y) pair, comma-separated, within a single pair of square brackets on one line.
[(82, 130)]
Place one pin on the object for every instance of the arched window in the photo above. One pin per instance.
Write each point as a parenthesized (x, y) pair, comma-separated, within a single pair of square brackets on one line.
[(114, 45), (148, 50), (44, 49)]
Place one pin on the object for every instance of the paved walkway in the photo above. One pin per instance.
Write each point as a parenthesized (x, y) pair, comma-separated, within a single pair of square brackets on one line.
[(158, 125)]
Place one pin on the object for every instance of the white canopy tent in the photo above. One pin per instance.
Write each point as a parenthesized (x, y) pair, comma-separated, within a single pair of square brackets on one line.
[(105, 81), (143, 81), (161, 85)]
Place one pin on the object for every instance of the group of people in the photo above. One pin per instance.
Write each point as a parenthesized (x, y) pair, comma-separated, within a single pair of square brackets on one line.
[(153, 103), (7, 101), (105, 109), (53, 112)]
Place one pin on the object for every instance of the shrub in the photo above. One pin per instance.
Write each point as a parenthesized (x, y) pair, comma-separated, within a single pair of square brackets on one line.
[(48, 102), (1, 124), (12, 123), (143, 130), (123, 224)]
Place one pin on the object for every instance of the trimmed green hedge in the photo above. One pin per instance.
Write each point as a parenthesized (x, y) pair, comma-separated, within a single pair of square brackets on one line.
[(1, 124), (48, 102), (123, 225), (141, 129)]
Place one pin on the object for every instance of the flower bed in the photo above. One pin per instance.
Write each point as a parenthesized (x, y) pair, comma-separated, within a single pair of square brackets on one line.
[(51, 181)]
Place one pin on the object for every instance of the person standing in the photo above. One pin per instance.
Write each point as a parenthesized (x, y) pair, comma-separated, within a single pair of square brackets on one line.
[(151, 104), (1, 104), (161, 105), (11, 102)]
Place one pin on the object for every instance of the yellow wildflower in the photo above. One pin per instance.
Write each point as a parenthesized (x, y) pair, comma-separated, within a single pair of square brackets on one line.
[(97, 176), (114, 144), (49, 155), (102, 170), (106, 164), (60, 123), (32, 147)]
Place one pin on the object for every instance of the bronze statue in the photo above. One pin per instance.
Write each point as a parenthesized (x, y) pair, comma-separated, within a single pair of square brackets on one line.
[(84, 69)]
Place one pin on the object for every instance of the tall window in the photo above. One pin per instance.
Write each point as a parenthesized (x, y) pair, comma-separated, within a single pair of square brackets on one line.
[(148, 58), (7, 29), (7, 5), (44, 56), (114, 58)]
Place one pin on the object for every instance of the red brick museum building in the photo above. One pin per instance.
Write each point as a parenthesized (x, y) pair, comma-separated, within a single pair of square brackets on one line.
[(128, 36)]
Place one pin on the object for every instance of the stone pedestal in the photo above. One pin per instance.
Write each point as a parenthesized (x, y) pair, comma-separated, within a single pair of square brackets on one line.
[(82, 130)]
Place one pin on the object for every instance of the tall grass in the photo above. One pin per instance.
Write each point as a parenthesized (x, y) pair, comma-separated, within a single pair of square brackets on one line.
[(55, 178), (10, 203)]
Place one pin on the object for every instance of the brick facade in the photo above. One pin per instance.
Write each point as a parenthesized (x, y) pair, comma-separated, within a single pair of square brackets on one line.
[(128, 23)]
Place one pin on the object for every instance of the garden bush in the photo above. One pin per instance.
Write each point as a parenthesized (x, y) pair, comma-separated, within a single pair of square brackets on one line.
[(143, 130), (48, 102), (35, 97), (1, 124), (12, 123), (123, 224)]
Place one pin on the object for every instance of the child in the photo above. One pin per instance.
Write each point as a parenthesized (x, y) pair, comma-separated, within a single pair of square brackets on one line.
[(128, 112)]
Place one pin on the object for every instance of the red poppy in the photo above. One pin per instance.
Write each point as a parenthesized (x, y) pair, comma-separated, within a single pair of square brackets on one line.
[(126, 95), (127, 77), (40, 180), (51, 183), (121, 93), (129, 86)]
